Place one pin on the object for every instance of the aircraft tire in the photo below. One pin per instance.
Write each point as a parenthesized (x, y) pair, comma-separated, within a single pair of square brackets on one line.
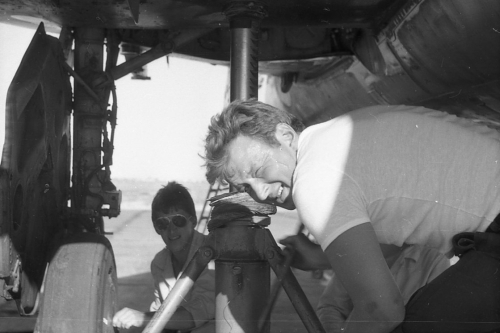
[(79, 292)]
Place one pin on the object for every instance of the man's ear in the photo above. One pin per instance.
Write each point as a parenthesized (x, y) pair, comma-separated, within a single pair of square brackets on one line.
[(286, 135)]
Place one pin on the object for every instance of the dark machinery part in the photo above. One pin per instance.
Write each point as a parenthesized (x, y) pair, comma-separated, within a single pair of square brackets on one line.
[(35, 185), (244, 250), (131, 51), (34, 174), (167, 41), (94, 194), (242, 276), (438, 54)]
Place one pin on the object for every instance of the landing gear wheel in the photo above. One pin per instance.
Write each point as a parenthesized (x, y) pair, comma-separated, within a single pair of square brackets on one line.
[(79, 292)]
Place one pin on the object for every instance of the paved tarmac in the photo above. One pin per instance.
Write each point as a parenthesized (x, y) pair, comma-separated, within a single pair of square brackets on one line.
[(135, 243)]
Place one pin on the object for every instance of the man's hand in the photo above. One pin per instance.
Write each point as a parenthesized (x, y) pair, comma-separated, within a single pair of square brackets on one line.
[(308, 256), (126, 318)]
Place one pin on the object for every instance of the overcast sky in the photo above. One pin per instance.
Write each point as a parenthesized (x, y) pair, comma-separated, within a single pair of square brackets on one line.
[(161, 122)]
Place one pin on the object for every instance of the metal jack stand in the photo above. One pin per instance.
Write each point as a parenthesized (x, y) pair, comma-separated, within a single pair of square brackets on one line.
[(240, 243), (243, 249)]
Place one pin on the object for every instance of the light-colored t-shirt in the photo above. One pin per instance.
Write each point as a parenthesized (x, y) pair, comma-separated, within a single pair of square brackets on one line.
[(419, 176), (414, 267), (200, 301)]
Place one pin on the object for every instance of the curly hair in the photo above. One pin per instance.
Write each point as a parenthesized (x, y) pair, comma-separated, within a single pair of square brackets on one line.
[(175, 196), (249, 118)]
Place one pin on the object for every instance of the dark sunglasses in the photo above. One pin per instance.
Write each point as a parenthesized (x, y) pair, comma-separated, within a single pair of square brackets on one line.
[(163, 222)]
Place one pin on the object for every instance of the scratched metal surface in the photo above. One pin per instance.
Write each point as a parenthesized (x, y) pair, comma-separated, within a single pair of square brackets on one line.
[(166, 14), (440, 54)]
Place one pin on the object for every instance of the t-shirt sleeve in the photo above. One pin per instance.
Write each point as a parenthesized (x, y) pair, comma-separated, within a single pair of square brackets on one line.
[(157, 279), (329, 202)]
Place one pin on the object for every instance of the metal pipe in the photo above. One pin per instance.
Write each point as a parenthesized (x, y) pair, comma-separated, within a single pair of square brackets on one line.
[(244, 59), (181, 288), (160, 50)]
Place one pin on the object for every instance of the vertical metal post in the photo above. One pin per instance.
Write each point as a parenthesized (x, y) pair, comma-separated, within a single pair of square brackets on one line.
[(244, 58), (89, 115), (242, 275), (244, 21)]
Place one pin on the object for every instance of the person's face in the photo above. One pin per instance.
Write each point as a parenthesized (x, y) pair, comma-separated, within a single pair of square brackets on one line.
[(264, 171), (176, 229)]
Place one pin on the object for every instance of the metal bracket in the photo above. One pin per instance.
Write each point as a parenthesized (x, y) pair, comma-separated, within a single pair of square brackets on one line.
[(251, 9), (14, 280)]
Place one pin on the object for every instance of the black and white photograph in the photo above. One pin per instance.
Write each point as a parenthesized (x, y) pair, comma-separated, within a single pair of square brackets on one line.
[(240, 166)]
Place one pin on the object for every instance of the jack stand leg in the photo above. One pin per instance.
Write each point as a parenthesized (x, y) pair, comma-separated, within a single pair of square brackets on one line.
[(292, 286), (245, 248), (180, 290), (275, 289)]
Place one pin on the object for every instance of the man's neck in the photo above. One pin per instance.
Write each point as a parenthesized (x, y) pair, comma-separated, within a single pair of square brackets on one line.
[(179, 259)]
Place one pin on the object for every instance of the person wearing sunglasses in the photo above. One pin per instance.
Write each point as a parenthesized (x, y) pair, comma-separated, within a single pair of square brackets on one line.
[(174, 219)]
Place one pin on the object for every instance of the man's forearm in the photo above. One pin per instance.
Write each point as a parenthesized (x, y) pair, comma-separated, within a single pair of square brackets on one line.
[(311, 258), (308, 256), (318, 258)]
